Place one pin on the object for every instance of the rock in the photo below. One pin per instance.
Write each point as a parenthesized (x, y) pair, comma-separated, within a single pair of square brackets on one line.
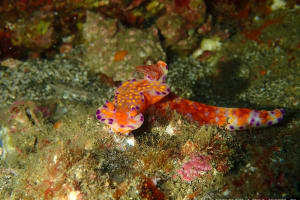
[(115, 50)]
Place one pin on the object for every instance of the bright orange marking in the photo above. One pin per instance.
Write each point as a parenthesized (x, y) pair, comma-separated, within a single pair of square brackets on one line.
[(110, 106), (57, 124), (277, 113), (152, 99), (133, 113), (106, 113), (242, 114), (120, 55), (264, 116), (132, 121), (161, 63), (121, 118)]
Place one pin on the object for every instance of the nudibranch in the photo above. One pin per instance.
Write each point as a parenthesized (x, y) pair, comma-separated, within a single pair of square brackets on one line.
[(133, 97)]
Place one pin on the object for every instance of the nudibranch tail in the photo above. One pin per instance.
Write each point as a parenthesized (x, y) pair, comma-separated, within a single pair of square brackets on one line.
[(230, 118), (242, 118)]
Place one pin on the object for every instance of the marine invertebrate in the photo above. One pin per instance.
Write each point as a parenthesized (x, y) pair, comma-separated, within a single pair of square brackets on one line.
[(133, 97)]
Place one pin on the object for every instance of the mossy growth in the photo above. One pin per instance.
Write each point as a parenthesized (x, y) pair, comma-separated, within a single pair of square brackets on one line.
[(74, 155)]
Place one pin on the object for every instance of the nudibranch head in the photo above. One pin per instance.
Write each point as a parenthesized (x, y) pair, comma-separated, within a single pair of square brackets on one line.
[(132, 98), (156, 72), (120, 121)]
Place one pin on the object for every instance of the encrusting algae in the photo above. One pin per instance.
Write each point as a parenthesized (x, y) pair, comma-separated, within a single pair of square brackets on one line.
[(133, 97)]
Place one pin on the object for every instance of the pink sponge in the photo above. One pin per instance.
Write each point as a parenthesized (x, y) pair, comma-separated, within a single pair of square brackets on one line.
[(195, 167)]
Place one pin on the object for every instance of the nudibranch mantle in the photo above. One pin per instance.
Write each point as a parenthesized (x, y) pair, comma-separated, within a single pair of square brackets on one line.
[(133, 97)]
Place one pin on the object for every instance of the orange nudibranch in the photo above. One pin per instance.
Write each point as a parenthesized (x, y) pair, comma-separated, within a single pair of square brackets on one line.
[(133, 97)]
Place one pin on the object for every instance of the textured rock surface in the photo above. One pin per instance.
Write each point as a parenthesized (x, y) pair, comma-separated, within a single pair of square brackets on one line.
[(61, 78), (116, 51)]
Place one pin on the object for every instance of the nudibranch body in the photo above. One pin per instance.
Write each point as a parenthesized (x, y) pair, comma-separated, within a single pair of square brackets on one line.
[(133, 97)]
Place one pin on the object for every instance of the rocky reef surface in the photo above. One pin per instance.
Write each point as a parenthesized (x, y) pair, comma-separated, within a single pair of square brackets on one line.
[(53, 78)]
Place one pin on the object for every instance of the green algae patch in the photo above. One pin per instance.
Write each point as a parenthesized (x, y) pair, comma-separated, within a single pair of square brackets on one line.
[(74, 155)]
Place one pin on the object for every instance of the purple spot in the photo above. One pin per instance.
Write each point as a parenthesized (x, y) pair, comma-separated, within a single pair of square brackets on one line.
[(143, 100), (163, 93), (241, 127), (252, 120), (164, 79), (110, 122), (142, 118), (272, 112), (156, 92), (103, 119), (130, 126), (167, 67), (110, 119), (122, 126), (231, 127), (137, 107), (133, 80), (257, 123), (106, 102), (168, 90), (104, 106), (98, 117), (270, 123), (279, 119), (282, 111), (98, 112)]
